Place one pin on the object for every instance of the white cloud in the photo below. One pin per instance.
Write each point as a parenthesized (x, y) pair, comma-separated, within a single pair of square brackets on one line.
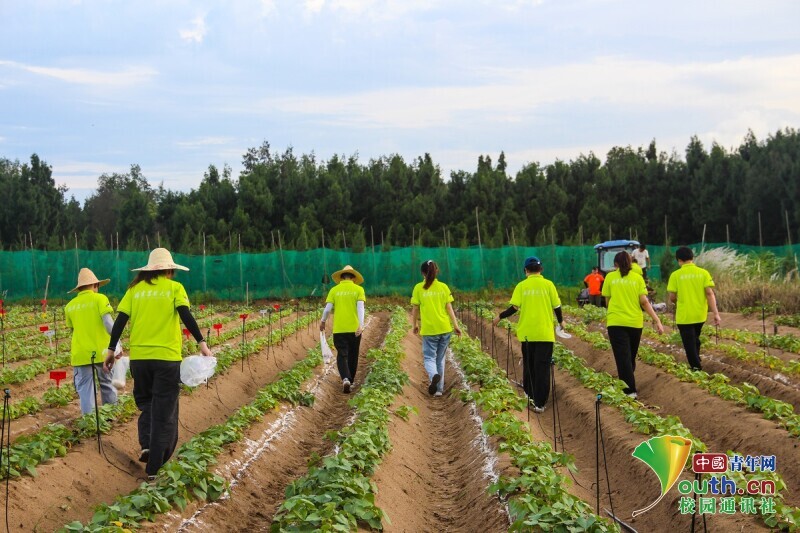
[(267, 7), (766, 83), (312, 7), (204, 141), (196, 32), (81, 76)]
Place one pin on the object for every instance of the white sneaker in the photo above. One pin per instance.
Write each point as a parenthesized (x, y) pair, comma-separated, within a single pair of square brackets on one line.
[(537, 409), (632, 395), (346, 386), (438, 393)]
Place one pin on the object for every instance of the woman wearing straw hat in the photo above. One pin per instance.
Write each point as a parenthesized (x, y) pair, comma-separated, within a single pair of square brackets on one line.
[(346, 300), (89, 316), (431, 303), (155, 305)]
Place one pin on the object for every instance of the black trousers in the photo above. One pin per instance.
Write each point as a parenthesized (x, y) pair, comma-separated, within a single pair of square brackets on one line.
[(536, 358), (690, 335), (596, 299), (625, 345), (347, 345), (156, 386)]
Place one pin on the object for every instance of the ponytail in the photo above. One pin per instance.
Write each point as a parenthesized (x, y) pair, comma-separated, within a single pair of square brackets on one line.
[(429, 270), (623, 262)]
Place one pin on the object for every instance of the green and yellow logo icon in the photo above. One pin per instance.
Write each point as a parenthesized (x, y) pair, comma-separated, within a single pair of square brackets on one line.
[(666, 456)]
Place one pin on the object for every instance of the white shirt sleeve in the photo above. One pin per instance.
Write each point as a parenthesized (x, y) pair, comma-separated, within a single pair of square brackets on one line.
[(360, 308), (327, 311)]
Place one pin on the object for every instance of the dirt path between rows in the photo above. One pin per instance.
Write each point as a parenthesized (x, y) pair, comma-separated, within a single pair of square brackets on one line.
[(434, 479), (68, 488), (633, 484), (769, 382), (282, 459)]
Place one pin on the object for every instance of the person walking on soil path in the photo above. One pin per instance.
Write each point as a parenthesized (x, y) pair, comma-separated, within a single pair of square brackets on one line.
[(431, 304), (89, 316), (594, 282), (691, 289), (346, 299), (626, 295), (642, 258), (536, 299), (155, 304)]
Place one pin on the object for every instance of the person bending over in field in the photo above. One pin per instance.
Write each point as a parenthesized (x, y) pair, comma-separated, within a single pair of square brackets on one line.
[(536, 299), (346, 300), (155, 304), (89, 316), (626, 296), (692, 290), (431, 304)]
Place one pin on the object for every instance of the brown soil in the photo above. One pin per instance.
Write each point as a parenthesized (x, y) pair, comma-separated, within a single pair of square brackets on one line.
[(274, 453), (68, 488), (633, 484), (769, 382), (721, 424), (753, 323), (433, 479)]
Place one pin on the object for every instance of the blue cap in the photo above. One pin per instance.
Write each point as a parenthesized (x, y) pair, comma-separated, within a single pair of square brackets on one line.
[(532, 261)]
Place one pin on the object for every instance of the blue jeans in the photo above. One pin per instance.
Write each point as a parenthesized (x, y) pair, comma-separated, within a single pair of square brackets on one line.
[(434, 348), (82, 377)]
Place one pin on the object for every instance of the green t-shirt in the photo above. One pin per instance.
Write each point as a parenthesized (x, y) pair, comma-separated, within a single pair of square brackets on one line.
[(636, 268), (535, 297), (624, 308), (84, 314), (345, 310), (432, 304), (155, 324), (690, 282)]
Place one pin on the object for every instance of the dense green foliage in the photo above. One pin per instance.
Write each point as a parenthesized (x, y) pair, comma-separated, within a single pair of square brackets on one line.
[(633, 192)]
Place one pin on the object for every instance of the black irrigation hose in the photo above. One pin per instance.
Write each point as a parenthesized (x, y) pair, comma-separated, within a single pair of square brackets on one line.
[(100, 448), (600, 441), (7, 438)]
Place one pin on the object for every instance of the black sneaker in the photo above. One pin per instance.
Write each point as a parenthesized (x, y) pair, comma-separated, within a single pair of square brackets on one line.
[(434, 384), (144, 456), (346, 386)]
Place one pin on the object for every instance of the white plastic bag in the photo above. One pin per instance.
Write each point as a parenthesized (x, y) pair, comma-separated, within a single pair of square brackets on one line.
[(196, 369), (327, 353), (562, 333), (119, 371)]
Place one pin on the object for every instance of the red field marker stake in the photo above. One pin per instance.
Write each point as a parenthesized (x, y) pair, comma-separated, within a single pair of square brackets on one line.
[(243, 316), (57, 376), (217, 327)]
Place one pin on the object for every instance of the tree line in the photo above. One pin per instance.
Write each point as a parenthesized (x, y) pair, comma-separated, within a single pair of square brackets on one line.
[(748, 195)]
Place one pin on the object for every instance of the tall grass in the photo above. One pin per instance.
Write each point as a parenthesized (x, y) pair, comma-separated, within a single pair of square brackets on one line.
[(752, 280)]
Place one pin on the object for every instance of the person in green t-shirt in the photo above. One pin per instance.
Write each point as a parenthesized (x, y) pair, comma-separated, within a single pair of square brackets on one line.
[(536, 299), (89, 316), (346, 300), (431, 305), (155, 304), (691, 288), (626, 295)]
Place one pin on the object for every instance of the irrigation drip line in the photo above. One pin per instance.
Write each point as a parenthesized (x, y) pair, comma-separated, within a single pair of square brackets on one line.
[(5, 438), (600, 441), (694, 514), (100, 449)]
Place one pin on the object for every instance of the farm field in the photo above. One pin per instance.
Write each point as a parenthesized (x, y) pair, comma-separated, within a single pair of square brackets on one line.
[(272, 442)]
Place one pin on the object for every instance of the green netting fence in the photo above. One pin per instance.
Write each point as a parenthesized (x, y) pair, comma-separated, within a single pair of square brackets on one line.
[(291, 274)]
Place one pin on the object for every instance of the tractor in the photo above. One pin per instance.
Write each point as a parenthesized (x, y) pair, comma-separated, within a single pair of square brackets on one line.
[(605, 260)]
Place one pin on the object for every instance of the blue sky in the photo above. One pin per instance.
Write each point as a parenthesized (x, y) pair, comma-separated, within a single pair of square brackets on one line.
[(95, 86)]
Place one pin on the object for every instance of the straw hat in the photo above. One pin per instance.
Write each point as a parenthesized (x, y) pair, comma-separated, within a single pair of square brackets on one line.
[(87, 277), (161, 259), (337, 276)]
